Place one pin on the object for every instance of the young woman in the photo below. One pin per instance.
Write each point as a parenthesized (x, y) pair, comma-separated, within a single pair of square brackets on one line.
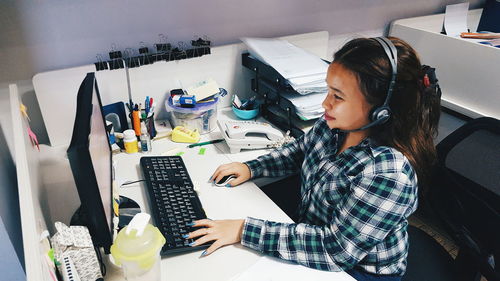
[(358, 184)]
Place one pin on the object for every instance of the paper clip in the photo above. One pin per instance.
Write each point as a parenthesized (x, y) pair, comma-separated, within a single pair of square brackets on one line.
[(24, 111), (33, 138)]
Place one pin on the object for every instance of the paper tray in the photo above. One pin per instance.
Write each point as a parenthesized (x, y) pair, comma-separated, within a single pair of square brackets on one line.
[(281, 119)]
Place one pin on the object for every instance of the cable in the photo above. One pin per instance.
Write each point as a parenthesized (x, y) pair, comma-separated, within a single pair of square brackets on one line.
[(130, 182)]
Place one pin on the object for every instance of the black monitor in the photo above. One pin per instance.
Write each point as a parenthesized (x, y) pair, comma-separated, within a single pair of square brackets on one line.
[(89, 154)]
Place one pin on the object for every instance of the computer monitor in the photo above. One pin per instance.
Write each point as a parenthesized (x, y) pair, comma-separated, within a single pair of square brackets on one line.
[(90, 159)]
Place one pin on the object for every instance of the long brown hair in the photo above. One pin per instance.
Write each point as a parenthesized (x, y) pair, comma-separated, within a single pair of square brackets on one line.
[(415, 105)]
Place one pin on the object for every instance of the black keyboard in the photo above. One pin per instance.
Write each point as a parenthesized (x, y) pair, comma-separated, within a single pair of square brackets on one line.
[(173, 201)]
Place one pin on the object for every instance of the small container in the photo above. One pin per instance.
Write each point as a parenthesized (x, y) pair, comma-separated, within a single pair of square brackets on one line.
[(130, 141), (145, 139), (202, 117), (137, 249), (246, 114)]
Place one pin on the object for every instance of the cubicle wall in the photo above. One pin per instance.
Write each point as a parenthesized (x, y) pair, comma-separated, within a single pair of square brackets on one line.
[(467, 71), (56, 90), (33, 202)]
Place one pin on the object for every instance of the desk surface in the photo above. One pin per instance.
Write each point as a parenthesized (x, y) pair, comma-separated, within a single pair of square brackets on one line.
[(219, 203)]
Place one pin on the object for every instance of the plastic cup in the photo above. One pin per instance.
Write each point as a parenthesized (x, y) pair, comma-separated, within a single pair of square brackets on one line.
[(137, 250)]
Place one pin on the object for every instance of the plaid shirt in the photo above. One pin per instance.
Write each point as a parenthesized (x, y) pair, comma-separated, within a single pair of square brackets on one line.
[(354, 205)]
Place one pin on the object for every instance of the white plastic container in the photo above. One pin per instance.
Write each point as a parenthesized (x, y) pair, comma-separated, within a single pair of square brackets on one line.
[(202, 117), (137, 250), (130, 141)]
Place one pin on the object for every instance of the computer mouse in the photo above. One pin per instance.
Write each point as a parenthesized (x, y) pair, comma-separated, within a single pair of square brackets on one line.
[(225, 180)]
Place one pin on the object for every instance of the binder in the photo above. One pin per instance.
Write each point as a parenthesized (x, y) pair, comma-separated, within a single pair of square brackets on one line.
[(490, 17), (270, 86)]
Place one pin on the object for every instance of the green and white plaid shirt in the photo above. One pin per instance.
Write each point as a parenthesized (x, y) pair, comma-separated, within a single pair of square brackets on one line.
[(354, 206)]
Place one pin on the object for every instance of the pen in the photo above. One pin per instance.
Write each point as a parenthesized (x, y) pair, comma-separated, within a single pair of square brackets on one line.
[(204, 143), (480, 35)]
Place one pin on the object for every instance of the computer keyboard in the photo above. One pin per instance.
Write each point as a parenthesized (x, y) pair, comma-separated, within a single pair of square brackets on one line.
[(173, 201)]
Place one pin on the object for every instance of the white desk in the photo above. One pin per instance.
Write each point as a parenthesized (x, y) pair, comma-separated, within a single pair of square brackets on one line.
[(219, 203)]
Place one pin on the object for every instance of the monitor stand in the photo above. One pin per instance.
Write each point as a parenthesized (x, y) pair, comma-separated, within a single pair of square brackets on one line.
[(128, 208)]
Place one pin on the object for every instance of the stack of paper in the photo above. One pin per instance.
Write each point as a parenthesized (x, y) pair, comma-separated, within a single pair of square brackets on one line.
[(305, 72), (307, 107)]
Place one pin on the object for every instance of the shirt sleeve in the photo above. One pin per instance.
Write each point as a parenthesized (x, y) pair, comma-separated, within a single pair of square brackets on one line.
[(281, 161), (378, 204)]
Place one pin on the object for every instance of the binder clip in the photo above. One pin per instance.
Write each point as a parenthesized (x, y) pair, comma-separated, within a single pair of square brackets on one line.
[(144, 56), (162, 48), (100, 64), (201, 42), (130, 60), (178, 53), (116, 60), (115, 64), (202, 46)]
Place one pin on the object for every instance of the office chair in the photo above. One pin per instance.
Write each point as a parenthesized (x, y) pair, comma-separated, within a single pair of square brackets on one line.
[(427, 259), (465, 195)]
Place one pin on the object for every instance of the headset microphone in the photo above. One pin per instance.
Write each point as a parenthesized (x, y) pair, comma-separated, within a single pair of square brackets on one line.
[(381, 114)]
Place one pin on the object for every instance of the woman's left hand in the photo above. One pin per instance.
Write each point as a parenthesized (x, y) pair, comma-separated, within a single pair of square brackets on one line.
[(222, 232)]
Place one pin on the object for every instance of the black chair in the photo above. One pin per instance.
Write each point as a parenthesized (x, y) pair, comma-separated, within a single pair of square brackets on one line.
[(427, 259), (465, 194)]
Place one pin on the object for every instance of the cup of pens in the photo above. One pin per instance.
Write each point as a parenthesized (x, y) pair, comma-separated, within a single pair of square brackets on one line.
[(148, 116), (245, 109), (142, 114)]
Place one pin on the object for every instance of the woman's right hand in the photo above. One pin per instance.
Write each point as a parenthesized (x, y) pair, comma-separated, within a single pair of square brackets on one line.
[(240, 170)]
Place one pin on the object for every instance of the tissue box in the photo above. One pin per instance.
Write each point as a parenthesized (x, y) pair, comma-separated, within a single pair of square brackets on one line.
[(74, 250)]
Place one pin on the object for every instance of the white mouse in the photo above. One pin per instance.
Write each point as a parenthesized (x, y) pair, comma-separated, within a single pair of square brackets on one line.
[(225, 180)]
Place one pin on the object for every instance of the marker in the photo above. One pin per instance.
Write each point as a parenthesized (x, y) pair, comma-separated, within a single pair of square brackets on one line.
[(204, 143), (136, 121)]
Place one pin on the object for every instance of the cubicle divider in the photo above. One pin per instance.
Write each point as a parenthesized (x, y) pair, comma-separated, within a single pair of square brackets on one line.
[(467, 70), (32, 200), (56, 90)]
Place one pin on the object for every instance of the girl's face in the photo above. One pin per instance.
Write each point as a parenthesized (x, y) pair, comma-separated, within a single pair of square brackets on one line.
[(345, 105)]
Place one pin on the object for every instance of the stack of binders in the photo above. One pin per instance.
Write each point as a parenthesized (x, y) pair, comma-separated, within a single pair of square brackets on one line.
[(277, 96)]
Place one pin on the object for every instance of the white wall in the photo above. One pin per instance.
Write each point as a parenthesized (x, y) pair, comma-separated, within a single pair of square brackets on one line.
[(43, 35)]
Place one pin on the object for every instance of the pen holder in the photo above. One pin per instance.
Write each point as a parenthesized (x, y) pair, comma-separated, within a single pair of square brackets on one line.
[(150, 125), (245, 114)]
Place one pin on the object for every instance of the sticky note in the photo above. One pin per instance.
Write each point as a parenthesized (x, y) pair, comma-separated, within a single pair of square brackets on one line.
[(202, 151)]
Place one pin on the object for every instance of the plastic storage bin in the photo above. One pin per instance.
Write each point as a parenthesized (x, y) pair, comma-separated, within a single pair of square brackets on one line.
[(202, 117)]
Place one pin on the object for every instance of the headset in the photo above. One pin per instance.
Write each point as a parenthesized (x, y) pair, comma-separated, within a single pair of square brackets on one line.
[(381, 114)]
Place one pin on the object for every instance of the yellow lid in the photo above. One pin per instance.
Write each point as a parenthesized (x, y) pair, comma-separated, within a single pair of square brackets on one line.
[(138, 242)]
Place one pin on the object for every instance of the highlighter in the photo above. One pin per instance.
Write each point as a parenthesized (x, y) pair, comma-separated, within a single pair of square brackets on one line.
[(136, 122)]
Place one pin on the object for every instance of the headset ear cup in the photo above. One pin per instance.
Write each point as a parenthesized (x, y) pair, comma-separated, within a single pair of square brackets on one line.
[(381, 114)]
